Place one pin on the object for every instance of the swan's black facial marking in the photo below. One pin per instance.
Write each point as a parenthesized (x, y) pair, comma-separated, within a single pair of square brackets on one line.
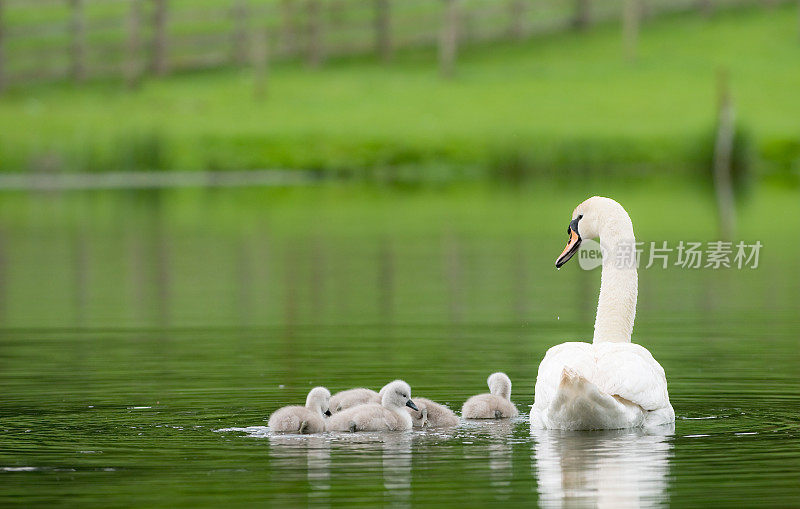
[(573, 243), (411, 405), (573, 225)]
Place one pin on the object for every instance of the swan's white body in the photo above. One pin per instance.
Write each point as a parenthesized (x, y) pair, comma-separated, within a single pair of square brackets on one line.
[(609, 383)]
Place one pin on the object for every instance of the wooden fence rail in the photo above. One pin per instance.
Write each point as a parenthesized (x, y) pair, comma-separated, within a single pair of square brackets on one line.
[(2, 48), (50, 40)]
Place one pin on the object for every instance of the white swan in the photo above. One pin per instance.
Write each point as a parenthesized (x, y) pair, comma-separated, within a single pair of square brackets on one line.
[(307, 419), (496, 405), (390, 415), (343, 400), (611, 382)]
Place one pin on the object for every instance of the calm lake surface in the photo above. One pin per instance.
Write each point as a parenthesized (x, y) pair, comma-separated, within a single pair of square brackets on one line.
[(146, 338)]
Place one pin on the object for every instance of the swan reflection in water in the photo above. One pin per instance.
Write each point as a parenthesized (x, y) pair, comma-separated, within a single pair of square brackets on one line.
[(499, 449), (614, 468), (397, 469), (394, 461), (316, 449)]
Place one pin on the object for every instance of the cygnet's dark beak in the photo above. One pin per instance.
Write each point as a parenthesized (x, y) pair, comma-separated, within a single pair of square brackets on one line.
[(328, 412), (411, 405), (572, 245)]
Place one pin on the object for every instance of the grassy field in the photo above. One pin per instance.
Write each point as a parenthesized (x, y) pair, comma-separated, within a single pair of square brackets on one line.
[(567, 103)]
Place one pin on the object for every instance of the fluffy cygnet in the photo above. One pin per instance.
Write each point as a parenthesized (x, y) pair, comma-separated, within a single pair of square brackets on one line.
[(431, 415), (390, 415), (353, 397), (307, 419), (496, 405)]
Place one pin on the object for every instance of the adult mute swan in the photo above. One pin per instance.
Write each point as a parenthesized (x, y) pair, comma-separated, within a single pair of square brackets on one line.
[(611, 382)]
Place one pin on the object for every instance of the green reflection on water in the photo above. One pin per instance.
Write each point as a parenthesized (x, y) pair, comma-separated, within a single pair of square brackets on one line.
[(137, 326)]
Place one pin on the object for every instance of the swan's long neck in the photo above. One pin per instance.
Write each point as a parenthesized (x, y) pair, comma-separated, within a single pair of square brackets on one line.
[(616, 308)]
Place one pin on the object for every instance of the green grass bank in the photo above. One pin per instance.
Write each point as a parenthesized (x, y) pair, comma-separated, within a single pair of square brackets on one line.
[(567, 104)]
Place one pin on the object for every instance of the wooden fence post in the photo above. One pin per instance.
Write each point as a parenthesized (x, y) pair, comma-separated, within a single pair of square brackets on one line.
[(383, 27), (448, 40), (2, 51), (240, 31), (630, 27), (705, 7), (583, 14), (314, 49), (723, 158), (133, 65), (288, 31), (516, 11), (260, 58), (159, 63), (78, 43)]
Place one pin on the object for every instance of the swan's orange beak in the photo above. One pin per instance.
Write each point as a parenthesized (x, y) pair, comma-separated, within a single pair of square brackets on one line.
[(572, 247)]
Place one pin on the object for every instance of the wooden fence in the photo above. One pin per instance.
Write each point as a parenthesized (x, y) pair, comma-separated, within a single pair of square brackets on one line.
[(47, 40)]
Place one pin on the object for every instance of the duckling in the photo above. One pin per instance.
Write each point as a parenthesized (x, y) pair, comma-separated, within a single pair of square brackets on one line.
[(343, 400), (388, 416), (431, 415), (307, 419), (496, 405)]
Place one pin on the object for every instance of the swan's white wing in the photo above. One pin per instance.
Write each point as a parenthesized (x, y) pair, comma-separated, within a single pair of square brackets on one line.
[(576, 355), (618, 369), (628, 370)]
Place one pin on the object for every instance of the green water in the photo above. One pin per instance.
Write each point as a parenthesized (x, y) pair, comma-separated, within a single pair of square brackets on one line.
[(147, 336)]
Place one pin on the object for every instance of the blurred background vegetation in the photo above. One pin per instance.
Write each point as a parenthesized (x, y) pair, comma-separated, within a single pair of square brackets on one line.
[(447, 131), (354, 89)]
